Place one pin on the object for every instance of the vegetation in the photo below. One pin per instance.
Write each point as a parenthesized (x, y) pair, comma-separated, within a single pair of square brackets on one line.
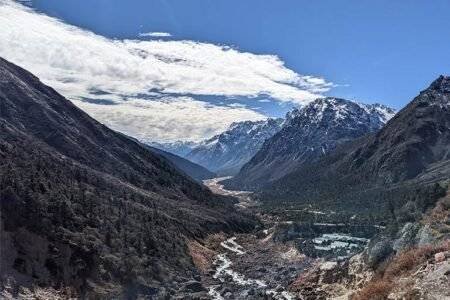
[(399, 266), (85, 207)]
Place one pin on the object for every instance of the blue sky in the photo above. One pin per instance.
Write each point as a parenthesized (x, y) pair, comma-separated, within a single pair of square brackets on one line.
[(382, 51), (212, 63)]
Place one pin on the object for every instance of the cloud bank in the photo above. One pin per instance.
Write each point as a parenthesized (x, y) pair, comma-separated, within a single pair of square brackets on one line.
[(135, 77)]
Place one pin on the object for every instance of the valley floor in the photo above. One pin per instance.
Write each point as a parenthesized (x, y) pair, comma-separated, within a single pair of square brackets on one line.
[(261, 265), (251, 266)]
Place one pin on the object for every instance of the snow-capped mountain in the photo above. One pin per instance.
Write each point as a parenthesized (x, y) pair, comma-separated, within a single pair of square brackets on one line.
[(396, 169), (225, 153), (309, 133), (180, 148)]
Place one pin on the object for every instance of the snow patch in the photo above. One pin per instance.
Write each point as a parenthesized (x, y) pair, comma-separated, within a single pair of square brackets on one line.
[(231, 245)]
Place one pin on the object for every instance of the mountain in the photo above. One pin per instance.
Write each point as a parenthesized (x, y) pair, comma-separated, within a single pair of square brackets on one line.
[(308, 134), (225, 153), (180, 148), (88, 211), (398, 171), (191, 169)]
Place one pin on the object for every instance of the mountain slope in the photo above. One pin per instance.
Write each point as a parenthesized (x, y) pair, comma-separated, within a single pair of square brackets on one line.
[(395, 171), (227, 152), (180, 148), (308, 134), (195, 171), (87, 210)]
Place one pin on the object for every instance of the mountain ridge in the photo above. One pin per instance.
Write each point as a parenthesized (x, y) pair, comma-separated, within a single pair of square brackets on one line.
[(191, 169), (225, 153), (308, 134), (398, 169), (88, 210)]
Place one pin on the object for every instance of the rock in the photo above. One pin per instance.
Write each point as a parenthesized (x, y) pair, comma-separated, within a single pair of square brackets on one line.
[(425, 236), (194, 286), (197, 277), (407, 237), (378, 251), (262, 270), (327, 266), (200, 296), (438, 257), (225, 290)]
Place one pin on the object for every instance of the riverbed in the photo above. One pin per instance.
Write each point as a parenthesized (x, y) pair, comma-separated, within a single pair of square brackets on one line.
[(264, 264)]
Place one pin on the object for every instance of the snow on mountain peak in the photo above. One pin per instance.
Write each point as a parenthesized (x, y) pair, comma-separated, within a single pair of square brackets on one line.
[(331, 109), (229, 150)]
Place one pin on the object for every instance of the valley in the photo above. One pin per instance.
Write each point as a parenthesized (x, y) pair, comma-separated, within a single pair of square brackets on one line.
[(251, 266), (206, 164), (264, 264)]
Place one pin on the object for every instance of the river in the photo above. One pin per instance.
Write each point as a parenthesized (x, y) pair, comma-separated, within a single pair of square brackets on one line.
[(255, 269)]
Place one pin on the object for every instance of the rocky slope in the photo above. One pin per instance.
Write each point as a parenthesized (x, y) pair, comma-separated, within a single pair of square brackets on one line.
[(227, 152), (87, 211), (415, 265), (308, 134), (397, 170)]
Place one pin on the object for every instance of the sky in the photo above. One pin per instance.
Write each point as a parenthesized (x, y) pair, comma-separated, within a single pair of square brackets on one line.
[(185, 70)]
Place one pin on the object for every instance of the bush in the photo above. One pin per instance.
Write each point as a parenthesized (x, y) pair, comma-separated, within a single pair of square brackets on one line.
[(400, 265), (376, 290)]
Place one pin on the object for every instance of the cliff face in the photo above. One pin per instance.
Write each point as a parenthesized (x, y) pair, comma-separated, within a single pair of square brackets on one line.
[(87, 210)]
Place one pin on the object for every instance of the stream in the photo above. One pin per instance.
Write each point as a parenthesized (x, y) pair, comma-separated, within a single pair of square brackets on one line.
[(224, 273), (259, 266), (229, 281)]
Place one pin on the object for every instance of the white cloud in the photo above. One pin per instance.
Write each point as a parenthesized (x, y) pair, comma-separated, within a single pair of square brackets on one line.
[(155, 34), (168, 118), (77, 63)]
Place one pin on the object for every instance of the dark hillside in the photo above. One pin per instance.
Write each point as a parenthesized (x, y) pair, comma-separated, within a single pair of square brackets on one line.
[(86, 208), (397, 170), (194, 170)]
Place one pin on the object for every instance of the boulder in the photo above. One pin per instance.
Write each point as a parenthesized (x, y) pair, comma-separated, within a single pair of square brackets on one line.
[(439, 257), (425, 236), (407, 237), (378, 251)]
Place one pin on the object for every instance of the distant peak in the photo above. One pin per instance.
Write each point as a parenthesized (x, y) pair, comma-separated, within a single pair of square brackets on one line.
[(441, 84), (341, 110)]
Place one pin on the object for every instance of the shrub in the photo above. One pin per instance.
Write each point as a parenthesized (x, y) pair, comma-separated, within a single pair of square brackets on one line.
[(400, 265), (375, 290)]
